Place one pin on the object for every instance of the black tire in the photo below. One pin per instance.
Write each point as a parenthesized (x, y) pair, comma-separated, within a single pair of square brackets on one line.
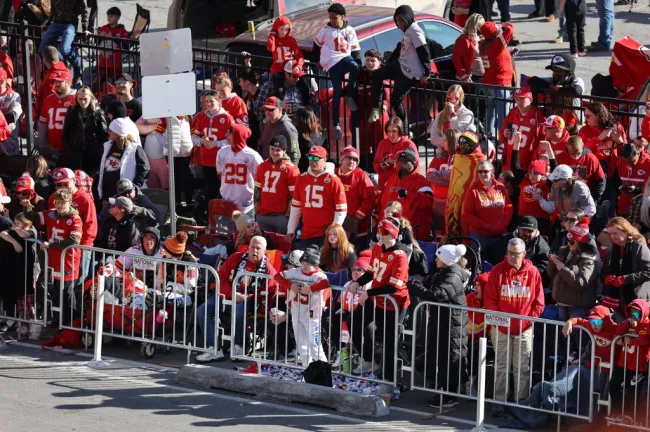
[(148, 350)]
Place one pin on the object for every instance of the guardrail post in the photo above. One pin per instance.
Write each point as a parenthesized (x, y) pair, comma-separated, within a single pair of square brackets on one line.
[(480, 396), (97, 362), (27, 83)]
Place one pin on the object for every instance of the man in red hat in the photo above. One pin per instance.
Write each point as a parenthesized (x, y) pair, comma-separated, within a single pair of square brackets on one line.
[(360, 194), (526, 119), (55, 106), (11, 109), (276, 124), (26, 198), (319, 197), (556, 134)]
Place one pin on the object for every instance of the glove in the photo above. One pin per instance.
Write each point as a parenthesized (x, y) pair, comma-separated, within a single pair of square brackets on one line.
[(618, 281), (401, 194), (609, 280)]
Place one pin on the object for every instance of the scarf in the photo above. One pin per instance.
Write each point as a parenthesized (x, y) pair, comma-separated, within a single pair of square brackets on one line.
[(251, 286)]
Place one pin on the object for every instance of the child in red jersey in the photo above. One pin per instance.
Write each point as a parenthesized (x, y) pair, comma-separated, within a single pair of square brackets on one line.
[(283, 47), (110, 60)]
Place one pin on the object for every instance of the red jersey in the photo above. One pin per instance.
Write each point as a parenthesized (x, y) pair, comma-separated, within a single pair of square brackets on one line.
[(7, 64), (53, 115), (636, 354), (498, 61), (47, 85), (282, 49), (440, 163), (360, 195), (85, 206), (236, 107), (391, 267), (631, 176), (531, 127), (645, 128), (319, 197), (603, 338), (475, 320), (387, 152), (486, 211), (586, 167), (602, 149), (276, 181), (111, 57), (528, 205), (214, 127), (59, 228)]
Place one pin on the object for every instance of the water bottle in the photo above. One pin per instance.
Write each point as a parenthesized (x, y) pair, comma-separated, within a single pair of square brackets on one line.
[(345, 355)]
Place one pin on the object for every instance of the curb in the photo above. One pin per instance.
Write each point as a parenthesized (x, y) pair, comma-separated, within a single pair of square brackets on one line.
[(285, 391)]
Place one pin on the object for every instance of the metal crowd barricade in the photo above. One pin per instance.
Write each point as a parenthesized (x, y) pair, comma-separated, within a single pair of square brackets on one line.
[(24, 294), (435, 331), (264, 323), (163, 315)]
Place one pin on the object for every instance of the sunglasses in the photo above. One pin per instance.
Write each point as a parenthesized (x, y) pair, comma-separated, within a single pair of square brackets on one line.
[(23, 193), (514, 253), (595, 322), (636, 314), (484, 171), (313, 158)]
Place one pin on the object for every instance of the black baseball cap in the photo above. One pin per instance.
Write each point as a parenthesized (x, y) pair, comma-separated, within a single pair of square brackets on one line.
[(279, 141), (528, 222)]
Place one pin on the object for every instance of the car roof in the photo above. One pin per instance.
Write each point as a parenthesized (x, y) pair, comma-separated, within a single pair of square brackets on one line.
[(307, 22)]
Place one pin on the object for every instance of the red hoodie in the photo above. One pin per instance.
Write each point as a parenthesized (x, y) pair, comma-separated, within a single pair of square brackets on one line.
[(283, 49), (586, 167), (486, 211), (631, 176), (463, 55), (475, 320), (497, 59), (47, 85), (387, 151), (629, 357), (603, 338), (513, 291)]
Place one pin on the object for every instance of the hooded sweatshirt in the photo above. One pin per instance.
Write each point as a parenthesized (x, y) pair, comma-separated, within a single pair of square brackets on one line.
[(388, 152), (486, 210), (283, 49), (236, 166), (414, 57), (146, 267), (389, 276), (603, 338), (47, 85), (283, 127), (513, 291), (496, 58), (629, 355)]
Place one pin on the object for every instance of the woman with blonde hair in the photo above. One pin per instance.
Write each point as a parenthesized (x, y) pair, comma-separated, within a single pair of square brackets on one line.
[(122, 159), (337, 252), (230, 101), (465, 56), (453, 116), (626, 267)]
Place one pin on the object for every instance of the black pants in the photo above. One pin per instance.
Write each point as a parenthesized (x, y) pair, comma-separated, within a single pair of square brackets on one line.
[(212, 184), (401, 86), (71, 293), (183, 179), (384, 333), (545, 7), (626, 376), (575, 27)]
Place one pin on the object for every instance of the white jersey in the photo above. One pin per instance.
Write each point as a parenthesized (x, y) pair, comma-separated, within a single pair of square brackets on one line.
[(305, 303), (336, 44), (138, 265), (237, 174), (10, 103)]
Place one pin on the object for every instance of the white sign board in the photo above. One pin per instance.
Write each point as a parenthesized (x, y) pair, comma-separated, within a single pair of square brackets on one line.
[(168, 95), (497, 320), (167, 52)]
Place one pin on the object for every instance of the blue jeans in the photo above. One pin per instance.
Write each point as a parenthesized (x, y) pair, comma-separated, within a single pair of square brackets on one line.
[(504, 9), (67, 33), (205, 317), (496, 110), (561, 21), (484, 241), (605, 10), (337, 73)]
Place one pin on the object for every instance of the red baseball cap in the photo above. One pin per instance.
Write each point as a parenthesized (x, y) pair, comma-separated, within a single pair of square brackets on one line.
[(62, 76), (523, 93), (272, 103), (350, 151), (24, 183), (61, 175), (83, 180), (554, 121), (539, 165), (389, 226), (318, 151)]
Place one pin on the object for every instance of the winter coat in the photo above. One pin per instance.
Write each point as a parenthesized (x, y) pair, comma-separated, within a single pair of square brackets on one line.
[(83, 140), (445, 286), (118, 236), (580, 199), (145, 212), (537, 251), (635, 269), (181, 137), (135, 165), (577, 284)]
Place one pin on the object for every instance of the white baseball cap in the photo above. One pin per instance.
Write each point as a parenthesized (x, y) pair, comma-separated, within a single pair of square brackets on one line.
[(561, 172)]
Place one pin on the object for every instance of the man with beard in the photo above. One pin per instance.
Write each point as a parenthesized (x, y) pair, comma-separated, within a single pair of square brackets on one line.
[(50, 124), (564, 81), (123, 87)]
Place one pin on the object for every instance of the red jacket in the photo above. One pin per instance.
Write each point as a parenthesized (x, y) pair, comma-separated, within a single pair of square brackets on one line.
[(47, 85), (631, 176), (361, 196), (513, 291), (497, 60), (475, 320), (228, 270), (283, 49), (388, 151), (531, 127), (4, 128), (417, 204), (463, 55), (486, 211), (528, 205), (638, 350), (603, 338)]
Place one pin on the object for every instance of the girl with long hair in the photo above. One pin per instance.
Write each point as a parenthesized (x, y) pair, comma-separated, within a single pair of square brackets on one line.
[(337, 252), (453, 116), (602, 135), (465, 55), (310, 133)]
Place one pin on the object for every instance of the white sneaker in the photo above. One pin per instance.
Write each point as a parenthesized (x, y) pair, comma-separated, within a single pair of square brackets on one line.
[(236, 351), (210, 356), (375, 114), (337, 362), (365, 367)]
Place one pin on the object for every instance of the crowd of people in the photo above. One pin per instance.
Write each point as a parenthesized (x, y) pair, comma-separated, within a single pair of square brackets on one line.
[(563, 227)]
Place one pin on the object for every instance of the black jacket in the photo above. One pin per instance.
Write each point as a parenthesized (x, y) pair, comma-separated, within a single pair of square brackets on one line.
[(635, 269), (118, 236), (84, 140), (537, 251), (145, 211)]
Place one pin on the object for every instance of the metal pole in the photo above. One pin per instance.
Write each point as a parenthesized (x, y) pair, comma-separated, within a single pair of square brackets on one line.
[(480, 396), (27, 79), (172, 181), (97, 361)]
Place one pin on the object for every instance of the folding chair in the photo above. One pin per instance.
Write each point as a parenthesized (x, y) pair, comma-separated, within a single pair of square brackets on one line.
[(160, 199)]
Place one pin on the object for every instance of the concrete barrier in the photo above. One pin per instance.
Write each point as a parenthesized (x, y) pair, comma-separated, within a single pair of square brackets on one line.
[(285, 391)]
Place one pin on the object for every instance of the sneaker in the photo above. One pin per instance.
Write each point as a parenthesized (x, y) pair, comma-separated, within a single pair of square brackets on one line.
[(374, 115), (210, 356), (337, 362), (533, 15), (574, 55), (366, 367), (596, 47), (236, 351), (338, 133), (497, 411), (440, 401), (549, 18), (352, 105), (559, 39), (581, 53)]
